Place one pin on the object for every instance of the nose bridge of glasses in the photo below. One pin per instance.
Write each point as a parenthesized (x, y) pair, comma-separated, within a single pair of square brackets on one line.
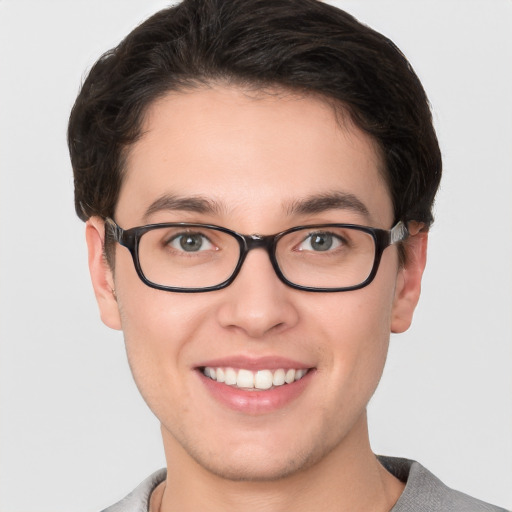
[(255, 241), (265, 242)]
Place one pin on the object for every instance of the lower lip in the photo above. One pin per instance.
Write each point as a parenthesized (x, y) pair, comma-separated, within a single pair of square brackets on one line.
[(256, 402)]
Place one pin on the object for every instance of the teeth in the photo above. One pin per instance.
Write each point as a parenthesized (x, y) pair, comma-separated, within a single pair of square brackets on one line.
[(262, 379), (290, 376), (278, 379), (298, 374), (221, 375), (244, 379), (230, 376)]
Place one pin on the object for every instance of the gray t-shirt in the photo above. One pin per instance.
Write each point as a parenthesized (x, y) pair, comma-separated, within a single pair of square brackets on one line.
[(423, 492)]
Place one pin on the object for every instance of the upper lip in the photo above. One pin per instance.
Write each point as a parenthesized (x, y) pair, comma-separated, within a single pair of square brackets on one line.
[(254, 363)]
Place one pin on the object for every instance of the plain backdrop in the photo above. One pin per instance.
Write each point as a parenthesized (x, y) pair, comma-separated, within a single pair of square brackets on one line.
[(74, 433)]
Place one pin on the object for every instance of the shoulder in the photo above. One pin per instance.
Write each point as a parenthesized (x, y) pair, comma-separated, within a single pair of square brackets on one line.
[(424, 492), (138, 499)]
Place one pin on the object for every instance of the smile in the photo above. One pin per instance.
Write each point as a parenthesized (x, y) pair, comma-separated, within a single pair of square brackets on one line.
[(249, 380)]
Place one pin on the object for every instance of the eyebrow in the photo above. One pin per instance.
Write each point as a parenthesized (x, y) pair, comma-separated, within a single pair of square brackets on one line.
[(329, 201), (309, 205), (196, 204)]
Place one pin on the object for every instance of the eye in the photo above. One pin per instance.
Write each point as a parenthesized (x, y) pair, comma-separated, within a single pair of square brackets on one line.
[(190, 242), (320, 241)]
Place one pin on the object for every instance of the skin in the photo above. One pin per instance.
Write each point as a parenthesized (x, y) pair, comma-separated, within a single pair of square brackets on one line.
[(254, 155)]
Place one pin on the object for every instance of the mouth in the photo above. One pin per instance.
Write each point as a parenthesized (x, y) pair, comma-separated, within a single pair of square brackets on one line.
[(256, 385), (260, 380)]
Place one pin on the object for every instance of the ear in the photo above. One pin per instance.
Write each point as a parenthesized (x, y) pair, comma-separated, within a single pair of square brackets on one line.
[(101, 274), (408, 285)]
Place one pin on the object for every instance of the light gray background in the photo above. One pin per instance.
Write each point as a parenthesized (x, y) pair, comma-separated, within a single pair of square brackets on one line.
[(74, 434)]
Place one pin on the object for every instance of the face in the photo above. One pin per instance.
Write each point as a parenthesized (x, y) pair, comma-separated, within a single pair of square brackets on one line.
[(253, 159)]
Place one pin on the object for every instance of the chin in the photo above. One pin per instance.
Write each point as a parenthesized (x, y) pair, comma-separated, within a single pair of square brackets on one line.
[(255, 471), (251, 465)]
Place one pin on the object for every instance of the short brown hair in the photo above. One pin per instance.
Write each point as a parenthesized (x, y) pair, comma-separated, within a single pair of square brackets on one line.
[(302, 45)]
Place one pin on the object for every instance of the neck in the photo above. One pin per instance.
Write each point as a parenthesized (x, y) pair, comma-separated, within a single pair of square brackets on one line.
[(347, 478)]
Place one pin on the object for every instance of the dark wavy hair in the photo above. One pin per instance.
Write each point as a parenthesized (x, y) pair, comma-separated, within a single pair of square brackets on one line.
[(305, 46)]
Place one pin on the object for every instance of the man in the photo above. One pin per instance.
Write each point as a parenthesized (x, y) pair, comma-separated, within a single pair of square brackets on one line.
[(257, 181)]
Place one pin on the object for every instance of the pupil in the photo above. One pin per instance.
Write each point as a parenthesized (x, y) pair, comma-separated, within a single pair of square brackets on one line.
[(321, 242), (191, 242)]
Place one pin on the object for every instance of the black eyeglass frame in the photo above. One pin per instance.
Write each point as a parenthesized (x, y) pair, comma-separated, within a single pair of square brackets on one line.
[(130, 239)]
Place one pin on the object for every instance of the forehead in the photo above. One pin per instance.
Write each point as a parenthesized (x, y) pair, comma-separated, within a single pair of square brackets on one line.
[(249, 152)]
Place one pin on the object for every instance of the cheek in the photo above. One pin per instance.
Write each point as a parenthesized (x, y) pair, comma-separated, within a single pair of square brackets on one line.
[(363, 342), (357, 324), (375, 327), (159, 331), (153, 321), (159, 325)]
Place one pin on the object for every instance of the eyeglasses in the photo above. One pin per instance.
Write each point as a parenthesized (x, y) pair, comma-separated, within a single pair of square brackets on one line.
[(189, 257)]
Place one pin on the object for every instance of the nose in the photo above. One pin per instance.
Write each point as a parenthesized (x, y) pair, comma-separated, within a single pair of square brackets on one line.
[(257, 303)]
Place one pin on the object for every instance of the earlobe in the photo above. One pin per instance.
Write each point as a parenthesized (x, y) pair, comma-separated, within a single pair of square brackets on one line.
[(101, 273), (408, 286)]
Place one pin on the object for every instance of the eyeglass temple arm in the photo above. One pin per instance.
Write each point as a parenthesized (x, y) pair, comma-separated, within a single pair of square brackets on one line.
[(115, 230), (398, 233)]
